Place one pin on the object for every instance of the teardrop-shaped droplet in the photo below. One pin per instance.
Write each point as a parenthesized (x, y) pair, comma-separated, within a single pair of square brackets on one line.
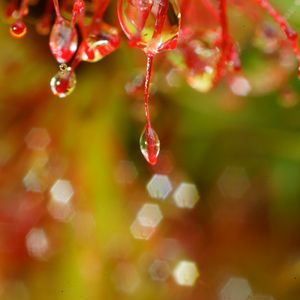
[(64, 82), (63, 40), (150, 145), (18, 29), (103, 40), (152, 25)]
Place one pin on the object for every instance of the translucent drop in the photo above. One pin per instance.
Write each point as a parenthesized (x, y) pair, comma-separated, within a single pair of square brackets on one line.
[(202, 82), (150, 145), (197, 60), (152, 25), (18, 29), (63, 40), (267, 38), (103, 40), (64, 82)]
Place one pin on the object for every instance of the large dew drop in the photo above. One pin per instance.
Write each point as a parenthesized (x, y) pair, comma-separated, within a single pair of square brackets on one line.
[(63, 40), (150, 25), (64, 82), (150, 145)]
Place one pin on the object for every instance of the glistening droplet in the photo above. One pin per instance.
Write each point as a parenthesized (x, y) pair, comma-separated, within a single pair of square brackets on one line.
[(18, 29), (150, 145), (64, 82), (63, 40)]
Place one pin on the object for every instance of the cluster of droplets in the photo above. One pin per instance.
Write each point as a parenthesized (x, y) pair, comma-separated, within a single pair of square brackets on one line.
[(98, 39), (205, 50)]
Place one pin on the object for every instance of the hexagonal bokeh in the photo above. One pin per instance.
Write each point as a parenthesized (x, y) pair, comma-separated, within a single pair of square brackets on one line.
[(37, 243), (235, 289), (141, 232), (149, 215), (159, 270), (234, 182), (186, 273), (186, 195), (37, 139), (159, 186), (62, 191)]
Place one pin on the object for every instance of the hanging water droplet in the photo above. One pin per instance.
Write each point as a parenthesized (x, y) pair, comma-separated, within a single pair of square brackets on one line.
[(150, 145), (103, 40), (18, 29), (64, 82), (63, 40)]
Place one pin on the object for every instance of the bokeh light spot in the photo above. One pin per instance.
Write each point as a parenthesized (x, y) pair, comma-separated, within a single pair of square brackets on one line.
[(149, 215), (186, 273), (37, 139), (159, 186), (236, 289), (186, 195)]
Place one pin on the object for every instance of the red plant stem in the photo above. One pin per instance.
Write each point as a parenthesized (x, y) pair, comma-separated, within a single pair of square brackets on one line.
[(225, 41), (147, 88), (160, 18), (211, 9), (57, 10), (48, 9), (24, 8), (291, 35), (100, 7), (77, 58), (77, 11), (158, 27)]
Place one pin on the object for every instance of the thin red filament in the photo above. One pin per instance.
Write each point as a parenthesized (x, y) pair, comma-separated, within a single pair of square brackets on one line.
[(291, 35)]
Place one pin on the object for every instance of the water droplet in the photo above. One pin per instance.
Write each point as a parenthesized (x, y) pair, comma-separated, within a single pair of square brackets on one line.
[(150, 25), (18, 29), (103, 40), (150, 145), (64, 82), (202, 82), (197, 60), (63, 40)]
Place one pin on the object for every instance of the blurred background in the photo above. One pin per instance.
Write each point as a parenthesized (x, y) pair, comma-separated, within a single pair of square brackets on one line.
[(82, 215)]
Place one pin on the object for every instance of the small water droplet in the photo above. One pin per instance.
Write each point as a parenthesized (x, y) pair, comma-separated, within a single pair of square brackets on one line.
[(150, 145), (18, 29), (64, 82), (63, 40)]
